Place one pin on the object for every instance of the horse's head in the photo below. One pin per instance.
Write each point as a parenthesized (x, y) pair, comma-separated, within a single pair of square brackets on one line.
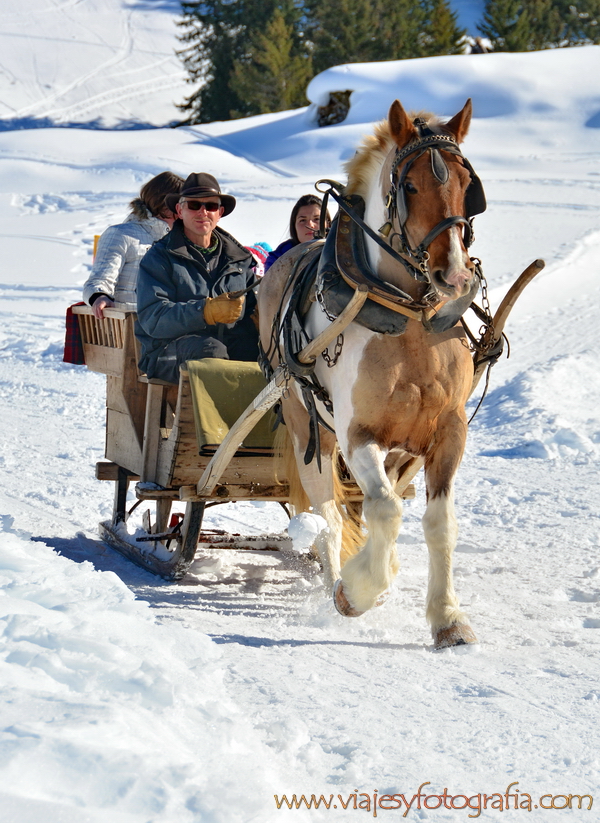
[(422, 200), (436, 194)]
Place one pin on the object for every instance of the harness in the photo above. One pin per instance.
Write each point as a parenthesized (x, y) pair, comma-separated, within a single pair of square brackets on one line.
[(332, 271)]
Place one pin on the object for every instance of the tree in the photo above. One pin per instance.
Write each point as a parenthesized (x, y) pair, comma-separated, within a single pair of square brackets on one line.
[(441, 33), (342, 31), (530, 25), (273, 74), (215, 35), (253, 56), (354, 31)]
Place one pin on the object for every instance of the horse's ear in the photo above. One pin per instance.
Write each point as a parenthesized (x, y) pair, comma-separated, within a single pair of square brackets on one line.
[(401, 127), (459, 125)]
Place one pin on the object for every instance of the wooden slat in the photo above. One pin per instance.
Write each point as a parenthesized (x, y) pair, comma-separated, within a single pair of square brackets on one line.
[(103, 359), (151, 433), (110, 471), (122, 443)]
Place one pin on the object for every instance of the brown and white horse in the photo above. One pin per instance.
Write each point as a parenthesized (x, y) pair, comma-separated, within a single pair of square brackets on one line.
[(395, 398)]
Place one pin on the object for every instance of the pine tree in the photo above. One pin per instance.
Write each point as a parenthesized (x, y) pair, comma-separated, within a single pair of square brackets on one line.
[(441, 33), (341, 31), (506, 25), (253, 56), (215, 35), (353, 31), (529, 25), (399, 26), (272, 77)]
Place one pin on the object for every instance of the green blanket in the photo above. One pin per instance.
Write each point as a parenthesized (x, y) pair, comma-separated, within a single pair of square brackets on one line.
[(221, 391)]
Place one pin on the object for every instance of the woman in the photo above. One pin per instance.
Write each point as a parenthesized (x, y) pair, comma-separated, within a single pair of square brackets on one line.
[(304, 222), (120, 249)]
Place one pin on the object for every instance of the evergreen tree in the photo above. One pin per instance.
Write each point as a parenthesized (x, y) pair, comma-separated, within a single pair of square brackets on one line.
[(441, 33), (253, 56), (529, 25), (272, 76), (399, 25), (353, 31), (216, 34), (341, 31)]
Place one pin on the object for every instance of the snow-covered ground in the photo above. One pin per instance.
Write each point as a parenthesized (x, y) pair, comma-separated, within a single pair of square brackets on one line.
[(127, 699), (109, 63)]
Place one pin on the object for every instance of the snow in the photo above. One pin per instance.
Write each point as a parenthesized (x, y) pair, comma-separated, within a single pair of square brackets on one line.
[(106, 63), (128, 699)]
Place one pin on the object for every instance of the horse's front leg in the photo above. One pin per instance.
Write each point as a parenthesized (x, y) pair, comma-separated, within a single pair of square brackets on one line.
[(370, 572), (449, 624)]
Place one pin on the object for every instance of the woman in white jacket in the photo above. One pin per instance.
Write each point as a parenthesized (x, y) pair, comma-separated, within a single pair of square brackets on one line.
[(113, 278)]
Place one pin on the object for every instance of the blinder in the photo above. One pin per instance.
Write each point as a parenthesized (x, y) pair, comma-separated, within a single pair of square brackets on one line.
[(475, 202)]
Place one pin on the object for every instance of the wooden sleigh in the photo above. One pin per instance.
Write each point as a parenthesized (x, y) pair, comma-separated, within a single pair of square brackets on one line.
[(151, 441)]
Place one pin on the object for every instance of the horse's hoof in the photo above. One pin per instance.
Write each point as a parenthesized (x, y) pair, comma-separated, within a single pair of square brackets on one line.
[(382, 598), (457, 635), (340, 601)]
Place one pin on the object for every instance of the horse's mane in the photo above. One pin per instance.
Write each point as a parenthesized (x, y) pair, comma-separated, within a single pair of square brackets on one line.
[(373, 150)]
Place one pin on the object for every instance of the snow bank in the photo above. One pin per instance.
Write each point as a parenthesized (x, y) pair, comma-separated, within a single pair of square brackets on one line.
[(113, 715), (527, 85)]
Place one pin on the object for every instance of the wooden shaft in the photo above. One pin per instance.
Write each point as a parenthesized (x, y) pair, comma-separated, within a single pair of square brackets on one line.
[(503, 311), (513, 294), (310, 352)]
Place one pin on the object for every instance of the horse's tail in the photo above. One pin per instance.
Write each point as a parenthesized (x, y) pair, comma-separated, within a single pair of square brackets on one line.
[(285, 466), (353, 536)]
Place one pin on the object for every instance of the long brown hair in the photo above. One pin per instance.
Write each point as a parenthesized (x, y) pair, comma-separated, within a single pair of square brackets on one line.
[(153, 193), (305, 200)]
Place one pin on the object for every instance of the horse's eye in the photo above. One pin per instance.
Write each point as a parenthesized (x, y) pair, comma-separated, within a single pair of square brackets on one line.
[(409, 188)]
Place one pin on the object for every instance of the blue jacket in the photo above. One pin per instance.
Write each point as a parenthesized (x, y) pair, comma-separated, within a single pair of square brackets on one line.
[(278, 252), (173, 285)]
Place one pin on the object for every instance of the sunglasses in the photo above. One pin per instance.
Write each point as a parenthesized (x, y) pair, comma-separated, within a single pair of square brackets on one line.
[(195, 205)]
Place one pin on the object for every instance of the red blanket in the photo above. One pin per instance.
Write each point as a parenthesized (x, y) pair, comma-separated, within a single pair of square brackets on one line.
[(73, 346)]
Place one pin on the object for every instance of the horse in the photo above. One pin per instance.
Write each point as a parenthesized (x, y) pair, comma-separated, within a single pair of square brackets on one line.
[(396, 400)]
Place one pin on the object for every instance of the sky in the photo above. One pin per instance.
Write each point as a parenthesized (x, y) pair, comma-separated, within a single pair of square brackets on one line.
[(128, 699)]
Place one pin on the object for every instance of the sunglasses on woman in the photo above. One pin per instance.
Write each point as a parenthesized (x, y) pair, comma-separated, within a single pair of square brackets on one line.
[(196, 205)]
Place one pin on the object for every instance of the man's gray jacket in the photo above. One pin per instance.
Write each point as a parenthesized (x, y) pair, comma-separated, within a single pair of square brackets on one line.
[(173, 285)]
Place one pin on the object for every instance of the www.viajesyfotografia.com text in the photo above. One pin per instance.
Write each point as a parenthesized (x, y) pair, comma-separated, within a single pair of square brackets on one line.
[(474, 804)]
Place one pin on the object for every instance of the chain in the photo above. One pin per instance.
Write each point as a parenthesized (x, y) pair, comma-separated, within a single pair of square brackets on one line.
[(321, 301), (485, 304), (339, 345)]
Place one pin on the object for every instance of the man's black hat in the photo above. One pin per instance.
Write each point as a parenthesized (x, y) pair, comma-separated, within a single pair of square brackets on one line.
[(199, 184)]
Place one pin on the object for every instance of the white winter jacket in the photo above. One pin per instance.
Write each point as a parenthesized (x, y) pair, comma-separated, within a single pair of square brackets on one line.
[(120, 250)]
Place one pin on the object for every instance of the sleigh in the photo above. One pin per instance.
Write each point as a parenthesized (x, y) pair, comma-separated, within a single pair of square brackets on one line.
[(152, 442)]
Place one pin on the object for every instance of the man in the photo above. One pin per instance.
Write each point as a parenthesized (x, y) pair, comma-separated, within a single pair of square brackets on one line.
[(187, 306)]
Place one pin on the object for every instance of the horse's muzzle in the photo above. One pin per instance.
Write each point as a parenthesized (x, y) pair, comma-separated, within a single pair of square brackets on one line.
[(453, 285)]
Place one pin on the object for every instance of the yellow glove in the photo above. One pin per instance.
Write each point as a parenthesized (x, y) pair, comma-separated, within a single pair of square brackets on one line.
[(223, 309)]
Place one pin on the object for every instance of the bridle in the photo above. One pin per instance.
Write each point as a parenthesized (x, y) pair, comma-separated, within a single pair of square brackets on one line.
[(415, 260)]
